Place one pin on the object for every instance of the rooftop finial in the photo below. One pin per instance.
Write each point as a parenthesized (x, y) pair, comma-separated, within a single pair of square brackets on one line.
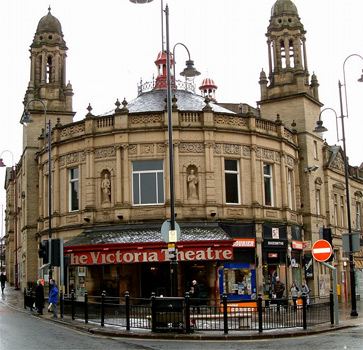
[(49, 8)]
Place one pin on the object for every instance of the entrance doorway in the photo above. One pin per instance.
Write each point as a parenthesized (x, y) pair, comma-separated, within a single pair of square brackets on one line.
[(155, 278)]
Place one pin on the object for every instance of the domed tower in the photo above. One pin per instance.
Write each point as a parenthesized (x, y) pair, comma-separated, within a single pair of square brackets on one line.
[(288, 69), (161, 79), (48, 78), (208, 88)]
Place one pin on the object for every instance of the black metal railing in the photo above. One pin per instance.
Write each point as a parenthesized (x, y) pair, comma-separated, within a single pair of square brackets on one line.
[(185, 314)]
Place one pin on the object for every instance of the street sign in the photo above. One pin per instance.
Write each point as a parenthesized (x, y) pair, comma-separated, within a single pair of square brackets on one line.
[(168, 234), (322, 250)]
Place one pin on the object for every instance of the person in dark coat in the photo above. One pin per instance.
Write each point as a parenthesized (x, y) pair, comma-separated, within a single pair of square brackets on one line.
[(3, 280), (279, 289), (194, 295), (39, 297)]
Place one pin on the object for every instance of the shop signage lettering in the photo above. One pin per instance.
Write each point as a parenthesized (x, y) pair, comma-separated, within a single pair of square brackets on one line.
[(244, 243), (149, 255), (297, 245)]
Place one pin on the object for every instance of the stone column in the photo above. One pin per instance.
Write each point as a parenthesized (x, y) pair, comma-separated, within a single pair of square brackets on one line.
[(118, 175), (126, 181)]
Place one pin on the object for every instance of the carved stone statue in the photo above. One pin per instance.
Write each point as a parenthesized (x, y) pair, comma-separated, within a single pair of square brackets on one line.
[(192, 181), (106, 189)]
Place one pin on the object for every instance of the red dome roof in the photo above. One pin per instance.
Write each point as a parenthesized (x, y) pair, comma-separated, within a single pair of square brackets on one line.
[(208, 83), (161, 59)]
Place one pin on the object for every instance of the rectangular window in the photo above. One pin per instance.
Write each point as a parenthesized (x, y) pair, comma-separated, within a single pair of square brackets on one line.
[(318, 211), (289, 188), (315, 150), (148, 182), (358, 216), (231, 170), (267, 175), (341, 211), (73, 189)]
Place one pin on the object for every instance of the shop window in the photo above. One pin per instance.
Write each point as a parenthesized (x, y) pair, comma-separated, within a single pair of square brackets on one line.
[(239, 280), (231, 170), (267, 175), (73, 189), (148, 182)]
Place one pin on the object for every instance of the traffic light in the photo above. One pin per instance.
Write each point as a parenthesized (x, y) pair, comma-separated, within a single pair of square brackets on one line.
[(56, 247), (327, 235), (43, 252)]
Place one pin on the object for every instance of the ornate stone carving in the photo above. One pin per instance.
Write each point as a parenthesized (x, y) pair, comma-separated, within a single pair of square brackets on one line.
[(62, 161), (192, 183), (217, 148), (105, 152), (277, 157), (147, 148), (147, 119), (132, 149), (231, 149), (71, 130), (160, 148), (258, 152), (338, 163), (191, 147), (72, 158), (246, 151), (230, 120), (267, 154), (290, 161), (271, 214), (234, 212)]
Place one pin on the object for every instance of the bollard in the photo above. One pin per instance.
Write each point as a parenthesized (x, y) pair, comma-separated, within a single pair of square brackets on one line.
[(127, 302), (259, 310), (225, 314), (85, 307), (103, 308), (153, 313), (331, 307), (187, 313), (304, 311), (61, 298), (24, 298), (72, 304)]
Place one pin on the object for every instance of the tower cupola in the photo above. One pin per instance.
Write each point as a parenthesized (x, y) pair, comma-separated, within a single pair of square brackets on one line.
[(208, 88)]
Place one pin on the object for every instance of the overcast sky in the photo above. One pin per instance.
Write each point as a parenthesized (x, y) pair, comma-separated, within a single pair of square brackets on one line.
[(114, 43)]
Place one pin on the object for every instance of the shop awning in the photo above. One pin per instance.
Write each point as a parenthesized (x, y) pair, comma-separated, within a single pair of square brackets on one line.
[(143, 243)]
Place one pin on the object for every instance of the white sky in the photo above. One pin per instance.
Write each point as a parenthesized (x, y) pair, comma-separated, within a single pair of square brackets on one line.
[(114, 43)]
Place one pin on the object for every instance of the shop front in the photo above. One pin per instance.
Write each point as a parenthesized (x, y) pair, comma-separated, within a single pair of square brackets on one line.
[(138, 262)]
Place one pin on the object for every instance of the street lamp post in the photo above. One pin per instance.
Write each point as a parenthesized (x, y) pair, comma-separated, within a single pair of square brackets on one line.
[(321, 128), (189, 71), (26, 119)]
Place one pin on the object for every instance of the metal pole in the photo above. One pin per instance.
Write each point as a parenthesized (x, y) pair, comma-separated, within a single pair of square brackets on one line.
[(49, 189), (351, 258), (173, 262), (16, 228), (2, 231), (335, 292)]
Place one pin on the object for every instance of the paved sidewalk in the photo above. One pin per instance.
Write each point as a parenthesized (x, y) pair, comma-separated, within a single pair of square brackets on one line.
[(15, 300)]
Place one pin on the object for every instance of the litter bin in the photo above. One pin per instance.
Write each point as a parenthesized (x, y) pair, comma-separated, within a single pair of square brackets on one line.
[(168, 314)]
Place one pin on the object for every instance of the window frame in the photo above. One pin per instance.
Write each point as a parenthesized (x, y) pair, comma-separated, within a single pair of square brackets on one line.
[(318, 201), (73, 185), (290, 192), (268, 177), (358, 216), (139, 174), (237, 175)]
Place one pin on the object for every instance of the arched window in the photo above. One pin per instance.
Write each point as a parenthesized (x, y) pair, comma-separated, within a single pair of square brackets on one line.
[(283, 54), (49, 70), (291, 53)]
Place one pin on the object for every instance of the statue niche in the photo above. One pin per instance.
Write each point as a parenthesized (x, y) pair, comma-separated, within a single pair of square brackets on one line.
[(192, 184), (105, 188)]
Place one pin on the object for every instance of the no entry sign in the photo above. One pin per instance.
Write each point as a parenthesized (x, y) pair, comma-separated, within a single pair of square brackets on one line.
[(322, 250)]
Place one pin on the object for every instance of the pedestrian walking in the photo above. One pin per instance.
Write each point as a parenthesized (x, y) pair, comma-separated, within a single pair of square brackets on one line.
[(53, 297), (3, 280), (194, 295), (279, 289), (294, 292), (306, 290), (39, 297)]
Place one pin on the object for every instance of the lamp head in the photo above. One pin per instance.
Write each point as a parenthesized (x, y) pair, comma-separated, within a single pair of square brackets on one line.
[(189, 71), (361, 78), (319, 127), (140, 1), (26, 118)]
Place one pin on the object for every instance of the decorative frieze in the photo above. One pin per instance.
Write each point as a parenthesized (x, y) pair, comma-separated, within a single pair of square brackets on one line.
[(338, 163), (246, 151), (290, 161), (232, 149), (234, 212), (191, 147), (74, 129), (217, 148), (160, 148), (147, 148), (105, 152), (147, 119), (230, 120), (132, 150)]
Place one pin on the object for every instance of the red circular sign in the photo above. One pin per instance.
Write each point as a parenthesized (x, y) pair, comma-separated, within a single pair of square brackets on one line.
[(322, 250)]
